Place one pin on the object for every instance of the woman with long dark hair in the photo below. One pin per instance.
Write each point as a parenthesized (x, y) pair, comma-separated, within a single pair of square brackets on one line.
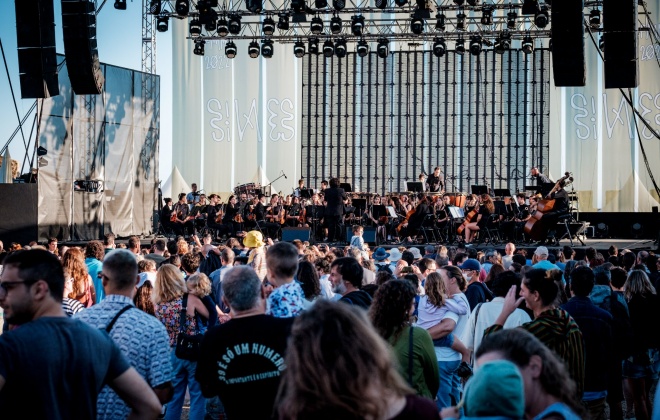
[(487, 208), (308, 277), (390, 313)]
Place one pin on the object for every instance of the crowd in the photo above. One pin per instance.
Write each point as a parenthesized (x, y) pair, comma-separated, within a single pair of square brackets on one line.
[(253, 329)]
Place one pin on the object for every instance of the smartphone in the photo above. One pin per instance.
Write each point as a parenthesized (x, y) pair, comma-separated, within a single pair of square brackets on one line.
[(407, 270)]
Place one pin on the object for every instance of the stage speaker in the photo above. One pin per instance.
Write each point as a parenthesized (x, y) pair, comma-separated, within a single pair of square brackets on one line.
[(80, 49), (291, 233), (568, 61), (620, 37), (35, 36), (369, 234)]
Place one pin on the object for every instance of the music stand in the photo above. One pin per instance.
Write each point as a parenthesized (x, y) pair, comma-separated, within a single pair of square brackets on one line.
[(456, 212), (479, 189), (546, 188), (346, 187), (378, 211), (414, 186), (306, 193), (502, 192)]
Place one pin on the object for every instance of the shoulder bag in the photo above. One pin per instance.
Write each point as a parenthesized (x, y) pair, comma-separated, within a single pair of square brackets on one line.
[(187, 346)]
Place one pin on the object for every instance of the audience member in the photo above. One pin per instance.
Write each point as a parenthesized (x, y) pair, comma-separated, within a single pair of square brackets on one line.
[(287, 297)]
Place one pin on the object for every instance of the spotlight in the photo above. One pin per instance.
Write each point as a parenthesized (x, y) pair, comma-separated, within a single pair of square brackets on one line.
[(530, 7), (511, 20), (459, 2), (440, 22), (601, 43), (316, 26), (528, 45), (321, 4), (195, 28), (267, 48), (223, 28), (542, 18), (155, 6), (254, 6), (335, 24), (298, 6), (636, 230), (328, 48), (253, 49), (313, 45), (182, 7), (339, 4), (299, 49), (212, 23), (383, 48), (162, 24), (417, 25), (357, 25), (400, 3), (199, 47), (475, 45), (362, 48), (120, 4), (460, 21), (340, 48), (487, 16), (601, 230), (230, 50), (503, 43), (42, 151), (268, 26), (439, 47), (381, 4), (594, 19), (473, 2), (460, 46), (234, 24), (283, 22)]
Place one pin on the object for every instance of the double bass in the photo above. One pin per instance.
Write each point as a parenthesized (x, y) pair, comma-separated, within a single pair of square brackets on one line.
[(537, 226)]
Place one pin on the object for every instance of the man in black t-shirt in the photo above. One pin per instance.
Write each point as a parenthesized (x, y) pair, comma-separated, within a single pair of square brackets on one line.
[(435, 181), (54, 366), (346, 276), (242, 360)]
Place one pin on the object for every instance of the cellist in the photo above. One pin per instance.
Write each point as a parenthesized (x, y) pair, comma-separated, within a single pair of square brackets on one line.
[(487, 208)]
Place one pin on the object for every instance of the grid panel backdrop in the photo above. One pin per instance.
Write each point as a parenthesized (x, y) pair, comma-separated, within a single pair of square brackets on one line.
[(377, 124)]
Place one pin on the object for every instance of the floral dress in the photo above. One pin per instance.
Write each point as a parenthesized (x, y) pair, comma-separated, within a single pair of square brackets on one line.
[(169, 313)]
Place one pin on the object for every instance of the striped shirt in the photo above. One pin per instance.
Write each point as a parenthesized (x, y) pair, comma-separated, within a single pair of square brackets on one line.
[(558, 330), (71, 306)]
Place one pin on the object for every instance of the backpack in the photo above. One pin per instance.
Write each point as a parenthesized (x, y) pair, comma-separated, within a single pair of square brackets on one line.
[(383, 267)]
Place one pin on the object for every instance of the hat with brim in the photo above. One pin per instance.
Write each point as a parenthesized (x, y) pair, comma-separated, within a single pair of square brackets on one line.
[(395, 255), (415, 251), (380, 254), (253, 239)]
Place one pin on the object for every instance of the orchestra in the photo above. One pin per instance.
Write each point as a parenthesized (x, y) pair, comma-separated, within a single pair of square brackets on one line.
[(329, 212)]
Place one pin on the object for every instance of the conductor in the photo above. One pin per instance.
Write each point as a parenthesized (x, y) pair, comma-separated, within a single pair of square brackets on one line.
[(335, 198)]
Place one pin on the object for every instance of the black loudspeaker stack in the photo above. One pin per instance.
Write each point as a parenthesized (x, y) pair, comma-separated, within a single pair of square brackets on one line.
[(620, 40), (290, 234), (80, 48), (568, 60), (35, 36)]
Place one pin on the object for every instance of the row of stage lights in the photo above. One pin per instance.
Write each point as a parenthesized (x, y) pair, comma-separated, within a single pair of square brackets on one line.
[(339, 48)]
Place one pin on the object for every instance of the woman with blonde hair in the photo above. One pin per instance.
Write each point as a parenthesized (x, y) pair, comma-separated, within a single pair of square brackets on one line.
[(83, 287), (338, 367), (170, 298), (199, 285)]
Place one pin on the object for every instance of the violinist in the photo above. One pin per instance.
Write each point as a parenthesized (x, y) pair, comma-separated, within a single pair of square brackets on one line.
[(181, 223), (166, 214), (249, 215), (198, 211), (519, 216), (294, 213), (260, 211), (487, 208), (376, 219), (213, 211), (229, 218), (410, 228), (442, 212)]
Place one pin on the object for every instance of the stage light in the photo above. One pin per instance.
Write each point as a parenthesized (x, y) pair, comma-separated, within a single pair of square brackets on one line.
[(268, 26), (234, 24), (542, 18), (400, 3), (440, 22), (340, 48), (530, 7), (316, 26), (298, 5), (383, 48), (283, 22), (313, 45), (254, 6), (381, 4), (230, 50), (203, 7), (511, 20), (362, 48), (487, 16), (321, 4), (601, 230), (594, 19), (119, 4), (299, 49), (460, 46), (601, 43), (155, 6), (417, 25), (267, 48), (162, 24), (503, 43), (528, 45), (460, 21), (475, 45), (473, 2), (182, 7), (339, 4), (195, 28), (439, 47), (328, 48), (199, 47), (42, 151), (357, 25), (212, 23), (459, 2), (335, 24), (223, 28), (636, 230), (253, 49)]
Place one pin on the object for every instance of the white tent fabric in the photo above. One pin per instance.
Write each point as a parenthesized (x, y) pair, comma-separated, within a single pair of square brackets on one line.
[(175, 185), (5, 169)]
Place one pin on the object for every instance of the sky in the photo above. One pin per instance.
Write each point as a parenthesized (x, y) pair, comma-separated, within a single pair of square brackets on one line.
[(119, 35)]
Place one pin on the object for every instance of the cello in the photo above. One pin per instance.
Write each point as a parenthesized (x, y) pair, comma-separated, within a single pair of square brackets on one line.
[(468, 219), (537, 226)]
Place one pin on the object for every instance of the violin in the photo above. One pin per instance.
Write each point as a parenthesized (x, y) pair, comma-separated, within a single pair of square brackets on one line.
[(220, 215)]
